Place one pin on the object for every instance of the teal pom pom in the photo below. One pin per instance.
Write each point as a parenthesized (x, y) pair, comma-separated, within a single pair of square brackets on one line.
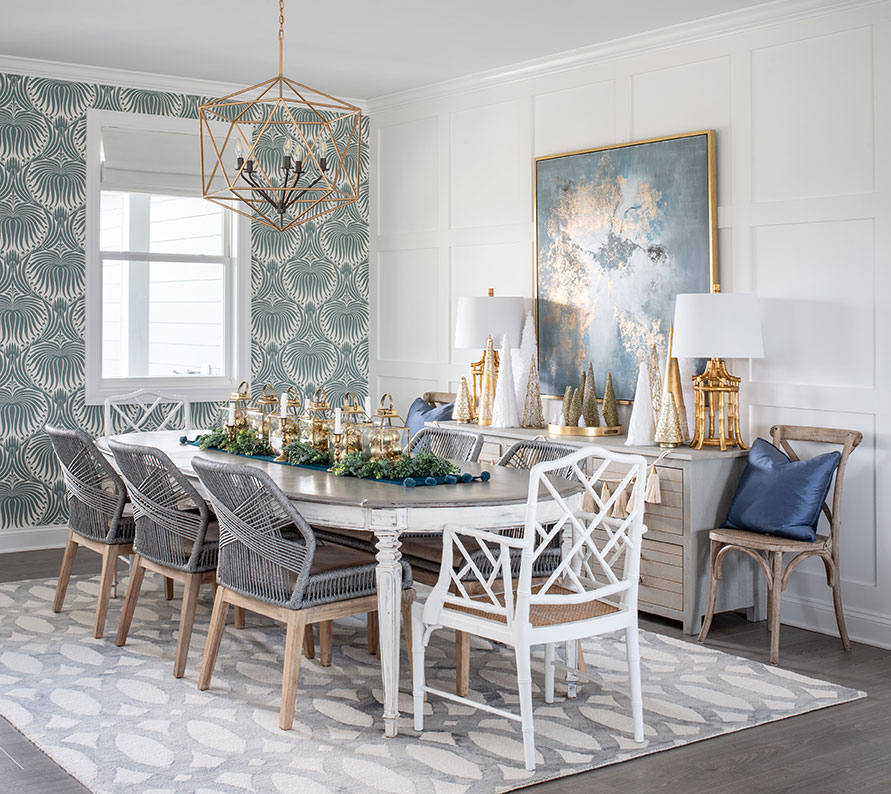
[(466, 477), (451, 479), (485, 476), (409, 482), (430, 481)]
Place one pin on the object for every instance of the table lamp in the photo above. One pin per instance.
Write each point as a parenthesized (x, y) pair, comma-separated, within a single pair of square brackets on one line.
[(717, 326), (478, 318)]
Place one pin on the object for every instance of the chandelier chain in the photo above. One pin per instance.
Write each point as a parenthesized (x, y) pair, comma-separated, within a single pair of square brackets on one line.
[(281, 20)]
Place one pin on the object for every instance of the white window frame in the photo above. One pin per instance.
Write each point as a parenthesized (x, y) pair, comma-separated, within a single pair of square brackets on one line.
[(237, 288)]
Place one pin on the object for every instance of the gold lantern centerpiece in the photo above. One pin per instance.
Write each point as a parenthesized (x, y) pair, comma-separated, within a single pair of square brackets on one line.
[(316, 422), (350, 423), (264, 407), (234, 410), (388, 436), (284, 427)]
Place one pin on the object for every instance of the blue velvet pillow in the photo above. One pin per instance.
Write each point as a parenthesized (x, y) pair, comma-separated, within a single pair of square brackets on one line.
[(779, 496), (421, 412)]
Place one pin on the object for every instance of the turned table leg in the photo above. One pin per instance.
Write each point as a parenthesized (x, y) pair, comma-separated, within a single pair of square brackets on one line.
[(389, 613)]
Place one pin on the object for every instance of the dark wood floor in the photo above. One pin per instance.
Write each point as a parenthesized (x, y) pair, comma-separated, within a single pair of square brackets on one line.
[(841, 750)]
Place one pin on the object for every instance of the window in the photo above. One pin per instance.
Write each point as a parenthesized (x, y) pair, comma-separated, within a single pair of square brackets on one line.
[(167, 286)]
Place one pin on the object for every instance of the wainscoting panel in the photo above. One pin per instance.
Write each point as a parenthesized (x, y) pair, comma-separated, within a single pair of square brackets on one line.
[(818, 311), (490, 170), (409, 202), (568, 120), (812, 114)]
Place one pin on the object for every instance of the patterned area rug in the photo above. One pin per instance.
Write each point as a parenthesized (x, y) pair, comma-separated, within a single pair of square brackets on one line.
[(117, 720)]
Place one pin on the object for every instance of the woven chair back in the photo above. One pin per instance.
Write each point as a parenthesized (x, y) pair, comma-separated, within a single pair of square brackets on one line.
[(266, 546), (171, 517), (147, 409), (96, 494), (448, 443), (848, 440), (600, 554)]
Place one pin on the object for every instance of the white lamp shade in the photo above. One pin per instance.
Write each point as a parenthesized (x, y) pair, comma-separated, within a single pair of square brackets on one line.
[(717, 325), (478, 318)]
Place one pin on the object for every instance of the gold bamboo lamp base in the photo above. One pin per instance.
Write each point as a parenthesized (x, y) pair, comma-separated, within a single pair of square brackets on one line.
[(476, 370), (717, 408)]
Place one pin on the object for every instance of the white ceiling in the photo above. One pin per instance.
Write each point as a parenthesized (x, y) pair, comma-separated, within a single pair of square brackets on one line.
[(352, 48)]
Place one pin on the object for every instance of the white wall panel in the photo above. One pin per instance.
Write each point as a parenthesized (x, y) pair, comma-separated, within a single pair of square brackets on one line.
[(404, 391), (694, 96), (475, 268), (408, 305), (583, 117), (818, 311), (812, 116), (490, 170), (408, 199)]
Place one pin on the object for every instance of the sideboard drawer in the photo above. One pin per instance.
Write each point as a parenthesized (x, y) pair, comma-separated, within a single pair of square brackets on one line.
[(661, 575)]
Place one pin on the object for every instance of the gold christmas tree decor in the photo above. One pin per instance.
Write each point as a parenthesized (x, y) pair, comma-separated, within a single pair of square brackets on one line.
[(610, 411), (668, 429), (462, 412), (589, 399), (487, 394), (533, 411), (655, 383)]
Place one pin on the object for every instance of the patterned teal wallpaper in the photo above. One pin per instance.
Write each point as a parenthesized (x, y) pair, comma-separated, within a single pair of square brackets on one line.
[(309, 299)]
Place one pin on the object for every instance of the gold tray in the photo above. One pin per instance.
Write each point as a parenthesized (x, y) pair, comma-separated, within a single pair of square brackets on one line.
[(590, 432)]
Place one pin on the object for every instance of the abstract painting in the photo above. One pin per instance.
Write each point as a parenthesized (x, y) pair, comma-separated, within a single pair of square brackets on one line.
[(621, 230)]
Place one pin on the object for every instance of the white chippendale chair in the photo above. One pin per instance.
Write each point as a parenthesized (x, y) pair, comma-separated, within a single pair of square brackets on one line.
[(592, 591), (147, 409)]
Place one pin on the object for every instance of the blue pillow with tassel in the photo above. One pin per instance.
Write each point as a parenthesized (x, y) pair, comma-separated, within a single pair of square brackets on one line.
[(780, 496)]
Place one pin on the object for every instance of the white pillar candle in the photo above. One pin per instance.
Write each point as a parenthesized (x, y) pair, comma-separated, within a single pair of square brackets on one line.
[(337, 414), (231, 419), (284, 404)]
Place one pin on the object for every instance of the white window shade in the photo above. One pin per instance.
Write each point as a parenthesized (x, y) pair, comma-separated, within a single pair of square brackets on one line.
[(150, 160)]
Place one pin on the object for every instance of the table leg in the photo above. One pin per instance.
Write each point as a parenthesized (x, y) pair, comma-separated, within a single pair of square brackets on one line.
[(389, 612)]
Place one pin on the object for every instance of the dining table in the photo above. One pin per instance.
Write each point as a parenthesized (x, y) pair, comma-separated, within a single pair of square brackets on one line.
[(383, 509)]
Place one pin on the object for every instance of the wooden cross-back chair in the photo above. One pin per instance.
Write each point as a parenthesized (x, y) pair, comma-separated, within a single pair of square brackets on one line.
[(147, 409), (591, 590), (768, 550)]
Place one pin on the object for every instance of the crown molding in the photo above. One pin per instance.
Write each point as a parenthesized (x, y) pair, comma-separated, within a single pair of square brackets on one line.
[(80, 73), (766, 15)]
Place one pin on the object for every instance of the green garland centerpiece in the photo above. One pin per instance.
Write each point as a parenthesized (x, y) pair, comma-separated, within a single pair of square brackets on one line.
[(420, 466), (246, 442), (299, 453)]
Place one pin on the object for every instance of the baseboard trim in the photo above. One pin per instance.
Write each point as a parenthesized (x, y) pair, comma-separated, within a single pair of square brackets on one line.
[(870, 628), (32, 538)]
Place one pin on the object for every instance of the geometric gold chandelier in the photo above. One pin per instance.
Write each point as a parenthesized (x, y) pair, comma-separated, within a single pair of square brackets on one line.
[(280, 152)]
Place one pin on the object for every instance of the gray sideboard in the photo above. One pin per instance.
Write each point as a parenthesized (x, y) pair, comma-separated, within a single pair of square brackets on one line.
[(697, 487)]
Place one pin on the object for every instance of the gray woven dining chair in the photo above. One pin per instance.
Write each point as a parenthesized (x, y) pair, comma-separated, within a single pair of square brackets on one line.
[(99, 515), (424, 552), (448, 443), (271, 562), (176, 536)]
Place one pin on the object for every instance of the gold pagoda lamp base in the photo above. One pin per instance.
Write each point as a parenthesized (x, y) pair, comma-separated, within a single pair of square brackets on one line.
[(716, 421)]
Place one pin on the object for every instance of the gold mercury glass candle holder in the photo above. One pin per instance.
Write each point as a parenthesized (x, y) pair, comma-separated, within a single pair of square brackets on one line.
[(234, 410), (284, 427), (315, 424), (388, 436), (350, 421), (264, 407)]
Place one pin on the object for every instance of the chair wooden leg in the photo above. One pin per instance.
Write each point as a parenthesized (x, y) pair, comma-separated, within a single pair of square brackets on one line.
[(168, 588), (839, 613), (462, 663), (186, 621), (309, 642), (582, 667), (408, 598), (65, 572), (109, 558), (214, 637), (239, 617), (417, 653), (326, 642), (775, 601), (524, 683), (291, 673), (572, 664), (632, 652), (714, 547), (373, 632), (137, 574)]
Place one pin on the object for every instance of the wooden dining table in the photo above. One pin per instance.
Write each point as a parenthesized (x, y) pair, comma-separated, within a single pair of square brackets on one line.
[(385, 510)]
